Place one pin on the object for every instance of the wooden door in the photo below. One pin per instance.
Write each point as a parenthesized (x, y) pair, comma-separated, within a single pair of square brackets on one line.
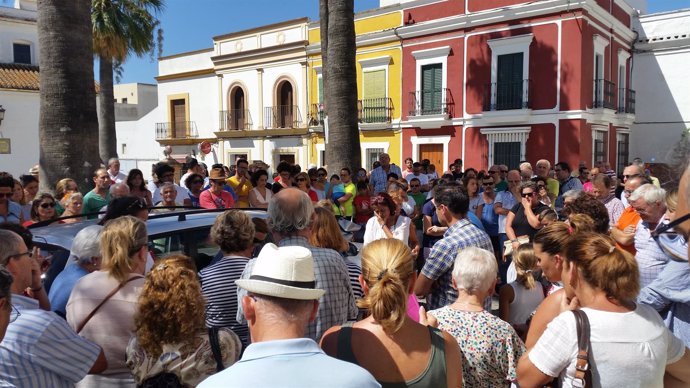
[(433, 152), (179, 112)]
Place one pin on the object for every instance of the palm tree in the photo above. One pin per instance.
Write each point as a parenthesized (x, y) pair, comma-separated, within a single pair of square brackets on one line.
[(68, 126), (120, 27), (340, 83)]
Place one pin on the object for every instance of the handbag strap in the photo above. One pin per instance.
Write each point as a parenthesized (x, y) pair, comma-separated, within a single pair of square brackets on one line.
[(110, 295), (215, 348), (583, 372)]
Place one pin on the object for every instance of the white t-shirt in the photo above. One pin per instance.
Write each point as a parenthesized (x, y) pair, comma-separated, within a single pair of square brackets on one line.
[(374, 231), (628, 349)]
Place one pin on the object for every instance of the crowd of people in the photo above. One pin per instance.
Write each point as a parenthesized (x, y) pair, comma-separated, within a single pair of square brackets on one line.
[(526, 277)]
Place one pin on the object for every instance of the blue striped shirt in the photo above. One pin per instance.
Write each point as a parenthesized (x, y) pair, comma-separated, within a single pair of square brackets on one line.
[(40, 350)]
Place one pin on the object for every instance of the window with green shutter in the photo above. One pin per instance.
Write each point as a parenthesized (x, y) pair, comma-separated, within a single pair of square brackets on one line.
[(320, 90), (509, 82), (374, 96), (432, 92)]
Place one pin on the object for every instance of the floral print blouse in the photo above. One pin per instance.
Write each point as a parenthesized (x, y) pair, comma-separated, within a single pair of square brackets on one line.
[(490, 347), (192, 363)]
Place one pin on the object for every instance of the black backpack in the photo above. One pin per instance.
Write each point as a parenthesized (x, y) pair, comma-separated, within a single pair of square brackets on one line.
[(170, 380)]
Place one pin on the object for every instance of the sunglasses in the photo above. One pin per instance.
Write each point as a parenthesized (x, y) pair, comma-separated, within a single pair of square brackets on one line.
[(631, 176), (502, 171), (46, 205), (494, 172), (301, 180), (487, 183), (322, 174), (527, 195)]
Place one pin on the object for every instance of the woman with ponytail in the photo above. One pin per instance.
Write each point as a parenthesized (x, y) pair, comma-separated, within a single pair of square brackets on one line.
[(518, 300), (396, 350), (630, 346), (490, 347)]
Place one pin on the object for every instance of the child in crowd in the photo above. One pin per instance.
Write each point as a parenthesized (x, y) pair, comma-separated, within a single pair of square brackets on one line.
[(519, 299), (362, 202), (337, 192)]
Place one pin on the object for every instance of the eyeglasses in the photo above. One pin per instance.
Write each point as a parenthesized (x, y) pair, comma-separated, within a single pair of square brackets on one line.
[(6, 195), (46, 205), (18, 255), (487, 183), (14, 314), (414, 185), (527, 195), (494, 172), (630, 176), (504, 171), (322, 174), (540, 186)]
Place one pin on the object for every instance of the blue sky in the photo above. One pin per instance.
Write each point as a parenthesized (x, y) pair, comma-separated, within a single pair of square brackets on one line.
[(190, 25)]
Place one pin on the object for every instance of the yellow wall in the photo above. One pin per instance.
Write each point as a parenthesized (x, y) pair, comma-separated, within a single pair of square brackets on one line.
[(385, 136), (365, 24)]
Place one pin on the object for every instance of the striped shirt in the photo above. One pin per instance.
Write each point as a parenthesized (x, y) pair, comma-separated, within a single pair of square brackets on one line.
[(337, 306), (40, 350), (218, 286), (650, 258), (439, 264)]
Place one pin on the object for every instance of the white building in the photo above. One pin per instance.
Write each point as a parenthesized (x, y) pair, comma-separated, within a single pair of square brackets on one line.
[(247, 95), (660, 77), (19, 94)]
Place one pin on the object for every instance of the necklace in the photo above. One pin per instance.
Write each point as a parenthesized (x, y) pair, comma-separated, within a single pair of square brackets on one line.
[(468, 304)]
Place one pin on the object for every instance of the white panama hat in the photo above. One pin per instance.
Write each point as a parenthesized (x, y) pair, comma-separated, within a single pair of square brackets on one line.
[(283, 272)]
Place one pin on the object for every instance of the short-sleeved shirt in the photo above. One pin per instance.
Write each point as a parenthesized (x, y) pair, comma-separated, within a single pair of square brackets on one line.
[(363, 201), (490, 347), (628, 349), (234, 182), (14, 213), (379, 177), (521, 225), (40, 350), (423, 179), (349, 188), (627, 218), (439, 264), (507, 201), (614, 207), (419, 200), (93, 203), (209, 200)]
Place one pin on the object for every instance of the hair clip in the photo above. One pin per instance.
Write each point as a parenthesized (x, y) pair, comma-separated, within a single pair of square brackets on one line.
[(613, 248), (381, 274), (161, 267), (528, 271)]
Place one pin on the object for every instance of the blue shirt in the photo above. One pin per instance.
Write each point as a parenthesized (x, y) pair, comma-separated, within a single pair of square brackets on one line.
[(379, 177), (14, 213), (290, 363), (62, 287), (439, 264), (40, 350)]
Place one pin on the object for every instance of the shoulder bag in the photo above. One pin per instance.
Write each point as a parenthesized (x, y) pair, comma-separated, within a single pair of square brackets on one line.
[(110, 295), (583, 371), (215, 347)]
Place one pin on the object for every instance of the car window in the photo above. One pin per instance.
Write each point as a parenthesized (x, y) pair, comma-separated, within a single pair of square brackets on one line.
[(193, 243)]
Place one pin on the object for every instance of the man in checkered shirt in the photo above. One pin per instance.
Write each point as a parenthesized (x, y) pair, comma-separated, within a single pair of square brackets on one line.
[(289, 216), (434, 281)]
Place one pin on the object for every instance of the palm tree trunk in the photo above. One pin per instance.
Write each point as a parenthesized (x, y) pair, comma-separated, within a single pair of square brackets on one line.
[(107, 137), (68, 125), (343, 147)]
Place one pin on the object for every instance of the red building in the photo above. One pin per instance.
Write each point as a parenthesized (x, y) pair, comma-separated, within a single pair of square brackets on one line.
[(500, 81)]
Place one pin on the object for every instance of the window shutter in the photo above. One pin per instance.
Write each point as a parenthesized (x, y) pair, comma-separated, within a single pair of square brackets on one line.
[(320, 89), (432, 82)]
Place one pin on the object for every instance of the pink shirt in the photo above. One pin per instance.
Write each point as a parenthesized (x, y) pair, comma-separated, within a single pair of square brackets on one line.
[(209, 200)]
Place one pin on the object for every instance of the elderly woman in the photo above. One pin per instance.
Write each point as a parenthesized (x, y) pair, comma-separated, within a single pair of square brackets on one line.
[(73, 205), (523, 220), (171, 338), (396, 350), (387, 221), (102, 305), (85, 257), (630, 346), (234, 233), (260, 195), (489, 346), (42, 209), (64, 186)]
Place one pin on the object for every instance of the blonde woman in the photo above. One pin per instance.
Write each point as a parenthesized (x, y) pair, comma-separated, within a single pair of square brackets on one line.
[(395, 349), (171, 337), (73, 204), (519, 299), (102, 305)]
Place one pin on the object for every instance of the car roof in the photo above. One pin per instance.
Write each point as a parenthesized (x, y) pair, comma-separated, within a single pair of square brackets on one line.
[(61, 235)]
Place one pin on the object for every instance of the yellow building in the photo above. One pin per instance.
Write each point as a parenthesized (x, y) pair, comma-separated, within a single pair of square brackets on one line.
[(379, 89)]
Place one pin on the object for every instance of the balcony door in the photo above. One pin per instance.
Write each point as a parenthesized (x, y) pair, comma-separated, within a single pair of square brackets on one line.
[(374, 104), (509, 81), (237, 113), (432, 88), (285, 105), (179, 118)]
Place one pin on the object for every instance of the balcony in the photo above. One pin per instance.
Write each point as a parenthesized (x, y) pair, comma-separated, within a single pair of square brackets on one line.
[(374, 110), (235, 120), (316, 115), (282, 116), (176, 130), (430, 102), (604, 94), (626, 101), (507, 95)]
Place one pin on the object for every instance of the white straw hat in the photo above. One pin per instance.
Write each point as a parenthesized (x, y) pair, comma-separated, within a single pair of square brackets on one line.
[(283, 272)]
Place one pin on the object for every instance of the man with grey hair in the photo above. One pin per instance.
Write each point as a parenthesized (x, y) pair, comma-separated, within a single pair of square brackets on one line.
[(39, 348), (85, 257), (631, 171), (116, 176), (379, 175), (649, 202), (290, 213)]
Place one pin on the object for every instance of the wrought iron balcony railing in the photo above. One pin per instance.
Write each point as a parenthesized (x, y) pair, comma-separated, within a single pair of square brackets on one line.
[(604, 94), (176, 130), (282, 116), (375, 110), (235, 119), (430, 102), (316, 115), (626, 100), (507, 95)]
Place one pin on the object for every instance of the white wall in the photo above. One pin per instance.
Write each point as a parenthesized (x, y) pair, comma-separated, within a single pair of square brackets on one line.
[(185, 63), (203, 101), (140, 148), (21, 126), (17, 26)]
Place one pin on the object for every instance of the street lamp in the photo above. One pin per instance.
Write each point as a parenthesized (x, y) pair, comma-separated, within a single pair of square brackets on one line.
[(2, 114)]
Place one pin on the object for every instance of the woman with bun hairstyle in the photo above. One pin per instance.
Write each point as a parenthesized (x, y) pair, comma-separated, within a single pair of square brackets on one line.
[(630, 346), (396, 350)]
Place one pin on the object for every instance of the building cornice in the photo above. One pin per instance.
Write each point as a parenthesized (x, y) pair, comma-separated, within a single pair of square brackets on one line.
[(266, 28), (368, 39), (297, 48), (186, 74)]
